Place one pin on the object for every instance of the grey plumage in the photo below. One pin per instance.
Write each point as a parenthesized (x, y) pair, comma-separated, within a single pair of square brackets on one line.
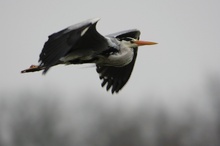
[(114, 54)]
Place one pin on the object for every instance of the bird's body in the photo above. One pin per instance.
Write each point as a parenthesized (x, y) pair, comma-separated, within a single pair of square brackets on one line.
[(117, 54), (114, 54)]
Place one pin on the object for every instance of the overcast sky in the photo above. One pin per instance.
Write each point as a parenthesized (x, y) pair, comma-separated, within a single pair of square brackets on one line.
[(188, 33)]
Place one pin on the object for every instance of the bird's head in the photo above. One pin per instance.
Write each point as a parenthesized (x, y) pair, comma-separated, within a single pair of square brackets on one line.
[(133, 43)]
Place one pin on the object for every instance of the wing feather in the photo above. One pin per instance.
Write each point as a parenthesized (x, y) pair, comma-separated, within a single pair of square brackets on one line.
[(60, 43), (116, 77)]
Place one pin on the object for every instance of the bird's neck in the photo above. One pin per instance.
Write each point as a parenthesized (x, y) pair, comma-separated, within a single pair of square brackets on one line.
[(119, 53), (122, 57)]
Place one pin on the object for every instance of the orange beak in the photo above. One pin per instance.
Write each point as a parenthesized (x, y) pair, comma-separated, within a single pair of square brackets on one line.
[(142, 43)]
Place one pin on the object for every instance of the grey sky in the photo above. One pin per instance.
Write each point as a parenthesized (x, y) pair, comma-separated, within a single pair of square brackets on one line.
[(187, 32)]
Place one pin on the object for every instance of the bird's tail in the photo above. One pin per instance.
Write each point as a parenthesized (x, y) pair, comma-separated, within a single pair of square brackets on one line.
[(33, 68)]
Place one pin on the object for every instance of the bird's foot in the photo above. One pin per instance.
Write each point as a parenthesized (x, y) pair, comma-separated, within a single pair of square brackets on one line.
[(32, 68)]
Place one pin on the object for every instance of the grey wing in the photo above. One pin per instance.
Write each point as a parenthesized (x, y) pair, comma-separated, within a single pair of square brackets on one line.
[(60, 43), (116, 77)]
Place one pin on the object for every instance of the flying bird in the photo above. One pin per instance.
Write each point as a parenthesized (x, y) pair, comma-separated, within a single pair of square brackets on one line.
[(114, 55)]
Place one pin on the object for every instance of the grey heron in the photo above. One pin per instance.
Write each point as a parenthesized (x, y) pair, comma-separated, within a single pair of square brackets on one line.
[(114, 55)]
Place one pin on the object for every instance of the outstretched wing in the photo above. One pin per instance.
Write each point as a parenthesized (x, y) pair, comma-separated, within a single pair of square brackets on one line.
[(62, 42), (116, 77)]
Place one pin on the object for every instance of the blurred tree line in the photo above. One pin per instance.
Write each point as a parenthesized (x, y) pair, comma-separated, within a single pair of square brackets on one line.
[(43, 120)]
